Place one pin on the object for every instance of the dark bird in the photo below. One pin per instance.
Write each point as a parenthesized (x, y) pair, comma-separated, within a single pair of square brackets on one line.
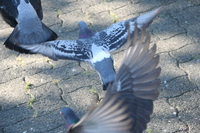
[(132, 93), (94, 47), (25, 16)]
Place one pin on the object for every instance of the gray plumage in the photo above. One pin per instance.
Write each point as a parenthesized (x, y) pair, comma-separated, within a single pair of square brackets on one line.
[(133, 90), (25, 16), (95, 47)]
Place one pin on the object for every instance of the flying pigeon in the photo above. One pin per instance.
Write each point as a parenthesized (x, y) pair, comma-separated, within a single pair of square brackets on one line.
[(133, 91), (25, 16), (108, 117), (94, 47)]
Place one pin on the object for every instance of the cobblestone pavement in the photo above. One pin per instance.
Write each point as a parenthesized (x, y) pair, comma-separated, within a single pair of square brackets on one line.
[(34, 88)]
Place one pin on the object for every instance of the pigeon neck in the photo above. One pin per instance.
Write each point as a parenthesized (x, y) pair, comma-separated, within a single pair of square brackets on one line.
[(71, 121), (86, 32)]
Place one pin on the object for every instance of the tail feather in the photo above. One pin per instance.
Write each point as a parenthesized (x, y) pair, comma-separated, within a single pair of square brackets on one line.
[(18, 37)]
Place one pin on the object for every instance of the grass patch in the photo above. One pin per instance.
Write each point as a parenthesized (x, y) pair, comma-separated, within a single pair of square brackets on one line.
[(92, 90), (28, 86), (20, 60), (195, 57), (59, 13), (32, 100), (91, 27), (87, 16), (35, 114), (149, 130), (56, 81), (86, 72), (115, 18), (51, 64)]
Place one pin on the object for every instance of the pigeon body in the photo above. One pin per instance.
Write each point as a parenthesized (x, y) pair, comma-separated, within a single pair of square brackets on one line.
[(133, 90), (25, 16), (94, 47)]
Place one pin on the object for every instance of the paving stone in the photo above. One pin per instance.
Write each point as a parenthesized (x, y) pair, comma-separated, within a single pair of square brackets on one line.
[(172, 43), (176, 87), (192, 68), (12, 94), (189, 20), (80, 100), (86, 78), (20, 69), (47, 123), (187, 101), (188, 109), (54, 75), (192, 118), (164, 119), (165, 27), (169, 67), (75, 17), (47, 98), (15, 115), (186, 53)]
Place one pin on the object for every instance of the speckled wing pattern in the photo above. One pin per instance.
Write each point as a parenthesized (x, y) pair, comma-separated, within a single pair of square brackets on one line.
[(137, 80), (62, 49), (108, 117), (114, 36)]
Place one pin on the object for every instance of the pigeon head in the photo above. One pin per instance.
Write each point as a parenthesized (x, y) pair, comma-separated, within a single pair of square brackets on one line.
[(85, 31), (69, 116)]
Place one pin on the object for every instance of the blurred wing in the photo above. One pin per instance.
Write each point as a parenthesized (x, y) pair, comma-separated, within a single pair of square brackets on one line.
[(139, 71), (60, 49), (108, 117), (138, 75)]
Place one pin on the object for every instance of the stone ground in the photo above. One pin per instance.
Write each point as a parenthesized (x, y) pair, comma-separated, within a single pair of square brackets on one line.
[(34, 88)]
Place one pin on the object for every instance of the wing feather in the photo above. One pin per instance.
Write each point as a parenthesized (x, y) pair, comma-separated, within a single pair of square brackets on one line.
[(109, 117), (116, 35), (60, 49), (138, 75)]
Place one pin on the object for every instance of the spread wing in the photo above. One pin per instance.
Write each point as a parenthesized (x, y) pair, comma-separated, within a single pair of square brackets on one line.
[(137, 80), (117, 34), (61, 49), (108, 117)]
